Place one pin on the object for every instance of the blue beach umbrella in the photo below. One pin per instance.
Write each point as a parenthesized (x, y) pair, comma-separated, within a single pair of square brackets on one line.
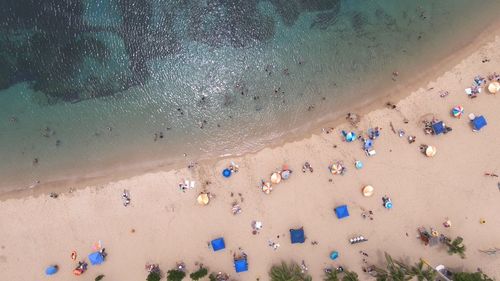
[(51, 270), (226, 173), (368, 144), (96, 258), (351, 136), (358, 164), (334, 255), (388, 204)]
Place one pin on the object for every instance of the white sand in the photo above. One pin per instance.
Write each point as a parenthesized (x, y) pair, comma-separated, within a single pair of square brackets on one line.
[(169, 226)]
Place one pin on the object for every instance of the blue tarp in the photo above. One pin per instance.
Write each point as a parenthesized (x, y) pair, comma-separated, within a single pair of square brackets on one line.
[(241, 265), (368, 144), (342, 211), (438, 128), (297, 235), (51, 270), (96, 258), (218, 244), (479, 122)]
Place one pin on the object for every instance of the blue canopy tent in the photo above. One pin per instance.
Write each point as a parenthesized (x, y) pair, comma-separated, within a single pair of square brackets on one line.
[(341, 211), (297, 235), (479, 122), (51, 270), (241, 265), (96, 258), (438, 128), (218, 244)]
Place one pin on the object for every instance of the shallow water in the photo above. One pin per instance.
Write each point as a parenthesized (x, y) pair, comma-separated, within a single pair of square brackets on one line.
[(212, 79)]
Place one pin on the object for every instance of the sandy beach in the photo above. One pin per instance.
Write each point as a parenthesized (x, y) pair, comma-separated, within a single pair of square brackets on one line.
[(165, 225)]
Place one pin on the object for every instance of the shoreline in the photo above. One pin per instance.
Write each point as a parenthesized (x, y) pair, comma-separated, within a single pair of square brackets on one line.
[(398, 91)]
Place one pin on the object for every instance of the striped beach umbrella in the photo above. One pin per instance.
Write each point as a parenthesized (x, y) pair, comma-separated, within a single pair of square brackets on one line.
[(351, 136), (457, 111), (336, 169)]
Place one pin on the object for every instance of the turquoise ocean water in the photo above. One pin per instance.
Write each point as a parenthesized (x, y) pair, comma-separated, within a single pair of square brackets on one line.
[(89, 85)]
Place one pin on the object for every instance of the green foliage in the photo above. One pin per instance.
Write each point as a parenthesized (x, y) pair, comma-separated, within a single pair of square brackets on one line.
[(350, 276), (396, 271), (476, 276), (153, 276), (422, 273), (98, 278), (331, 276), (212, 277), (200, 273), (175, 275), (284, 272), (456, 247)]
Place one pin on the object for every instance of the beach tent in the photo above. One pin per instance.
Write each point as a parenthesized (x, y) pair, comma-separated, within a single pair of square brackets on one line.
[(218, 244), (96, 258), (479, 122), (51, 270), (341, 211), (297, 235), (241, 265), (438, 128)]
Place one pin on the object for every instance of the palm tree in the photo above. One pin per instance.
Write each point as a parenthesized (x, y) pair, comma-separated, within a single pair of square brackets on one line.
[(396, 271), (331, 275), (350, 276), (198, 274), (175, 275), (422, 274), (466, 276), (286, 272), (456, 247), (153, 276)]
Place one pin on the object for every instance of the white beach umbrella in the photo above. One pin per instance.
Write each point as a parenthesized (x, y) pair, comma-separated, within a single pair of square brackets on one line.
[(203, 198), (494, 87), (275, 178), (368, 190), (430, 151)]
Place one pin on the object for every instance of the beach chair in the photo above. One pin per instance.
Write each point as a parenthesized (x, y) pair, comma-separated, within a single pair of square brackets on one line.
[(341, 211), (443, 273), (297, 235), (241, 265), (370, 152), (218, 244), (357, 239), (478, 123), (427, 237)]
